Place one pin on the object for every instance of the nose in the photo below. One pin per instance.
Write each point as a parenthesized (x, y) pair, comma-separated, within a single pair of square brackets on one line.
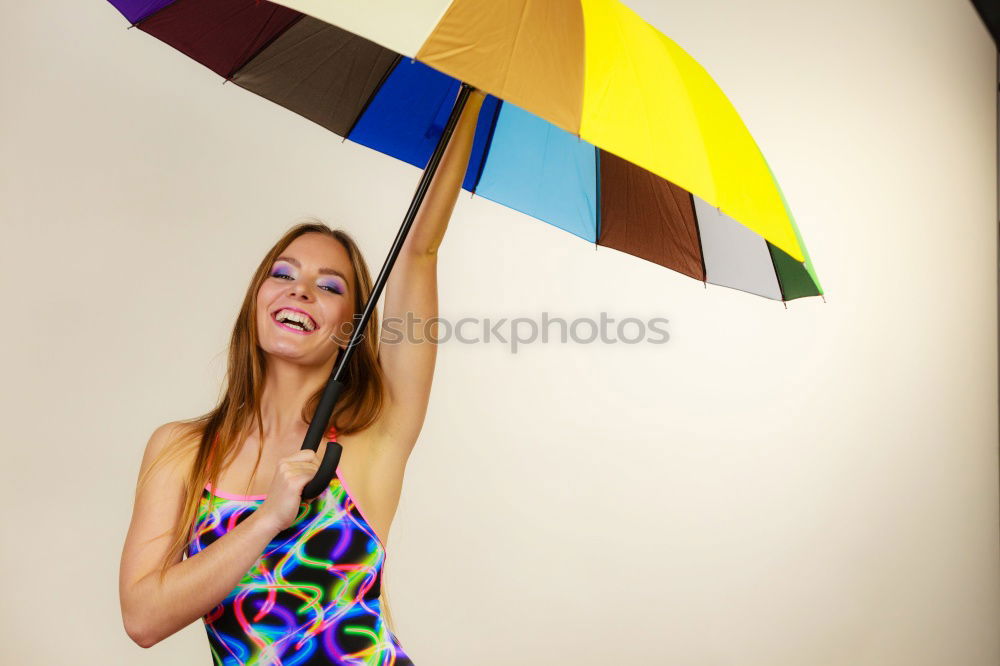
[(301, 292)]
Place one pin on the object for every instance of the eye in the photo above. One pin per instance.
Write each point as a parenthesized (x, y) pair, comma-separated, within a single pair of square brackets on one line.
[(333, 288), (281, 275)]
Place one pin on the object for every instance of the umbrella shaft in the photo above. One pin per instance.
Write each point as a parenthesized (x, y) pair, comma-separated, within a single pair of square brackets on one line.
[(397, 244), (317, 427)]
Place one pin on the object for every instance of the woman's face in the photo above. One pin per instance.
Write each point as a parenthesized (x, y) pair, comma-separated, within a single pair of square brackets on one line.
[(305, 305)]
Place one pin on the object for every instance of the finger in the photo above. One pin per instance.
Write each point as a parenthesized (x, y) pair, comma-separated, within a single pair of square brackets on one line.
[(302, 455), (305, 470), (300, 465)]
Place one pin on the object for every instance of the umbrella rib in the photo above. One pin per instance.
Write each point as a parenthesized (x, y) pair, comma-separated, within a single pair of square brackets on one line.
[(774, 267), (597, 193), (375, 90), (489, 143), (513, 47), (697, 233), (263, 46)]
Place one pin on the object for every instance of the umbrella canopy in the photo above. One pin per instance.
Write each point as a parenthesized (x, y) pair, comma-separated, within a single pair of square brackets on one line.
[(594, 121)]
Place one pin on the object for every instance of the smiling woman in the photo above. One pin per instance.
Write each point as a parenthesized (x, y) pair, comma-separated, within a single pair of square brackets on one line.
[(286, 337), (277, 579)]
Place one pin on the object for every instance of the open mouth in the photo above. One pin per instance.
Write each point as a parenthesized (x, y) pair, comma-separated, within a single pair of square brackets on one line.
[(294, 320)]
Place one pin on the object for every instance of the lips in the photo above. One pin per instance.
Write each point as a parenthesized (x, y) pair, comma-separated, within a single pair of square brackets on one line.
[(291, 327)]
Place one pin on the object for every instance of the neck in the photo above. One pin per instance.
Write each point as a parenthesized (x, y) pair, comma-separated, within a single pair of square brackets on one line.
[(286, 389)]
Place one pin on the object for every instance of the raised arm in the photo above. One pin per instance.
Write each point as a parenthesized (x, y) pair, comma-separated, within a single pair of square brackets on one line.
[(151, 610), (411, 291)]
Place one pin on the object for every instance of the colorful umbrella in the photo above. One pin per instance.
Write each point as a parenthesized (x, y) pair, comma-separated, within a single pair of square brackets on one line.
[(593, 121)]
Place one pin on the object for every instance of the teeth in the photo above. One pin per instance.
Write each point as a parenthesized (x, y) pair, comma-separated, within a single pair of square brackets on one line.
[(297, 317)]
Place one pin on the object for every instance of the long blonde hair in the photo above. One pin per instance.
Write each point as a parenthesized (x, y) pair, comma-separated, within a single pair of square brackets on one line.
[(212, 438)]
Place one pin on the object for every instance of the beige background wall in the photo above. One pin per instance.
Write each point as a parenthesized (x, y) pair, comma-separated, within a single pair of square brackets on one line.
[(814, 485)]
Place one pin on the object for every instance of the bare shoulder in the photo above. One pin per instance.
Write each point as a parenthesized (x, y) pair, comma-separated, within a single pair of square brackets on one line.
[(173, 445), (165, 435), (159, 496)]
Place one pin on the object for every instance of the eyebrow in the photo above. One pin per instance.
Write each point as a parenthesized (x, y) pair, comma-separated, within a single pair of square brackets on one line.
[(323, 271)]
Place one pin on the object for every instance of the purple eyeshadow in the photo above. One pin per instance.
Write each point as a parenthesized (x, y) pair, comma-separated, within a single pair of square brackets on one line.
[(277, 272), (335, 285)]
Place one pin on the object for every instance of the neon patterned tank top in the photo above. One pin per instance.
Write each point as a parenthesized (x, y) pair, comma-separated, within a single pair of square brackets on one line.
[(312, 597)]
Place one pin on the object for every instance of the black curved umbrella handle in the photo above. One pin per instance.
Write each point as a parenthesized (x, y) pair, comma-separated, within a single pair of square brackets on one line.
[(317, 428), (327, 469)]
